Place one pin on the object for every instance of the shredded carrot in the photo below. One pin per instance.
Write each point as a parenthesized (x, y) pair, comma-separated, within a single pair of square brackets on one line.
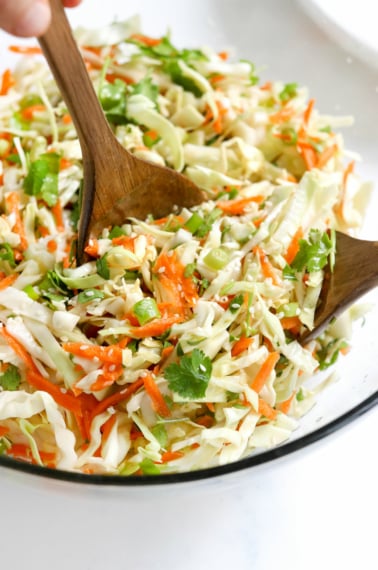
[(8, 281), (125, 241), (115, 398), (65, 399), (206, 421), (216, 78), (156, 327), (18, 348), (291, 323), (25, 50), (265, 371), (7, 81), (241, 345), (67, 119), (146, 40), (64, 163), (107, 427), (111, 77), (349, 170), (223, 55), (266, 410), (92, 247), (57, 212), (52, 245), (309, 156), (266, 267), (161, 221), (29, 112), (293, 248), (12, 202), (110, 374), (171, 456), (308, 111), (237, 206), (110, 354), (4, 430), (218, 123), (285, 406), (282, 116), (167, 351), (326, 155), (43, 231), (210, 406), (174, 287), (157, 399)]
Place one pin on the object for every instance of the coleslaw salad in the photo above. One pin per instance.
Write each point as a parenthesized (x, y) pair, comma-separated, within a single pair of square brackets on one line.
[(174, 347)]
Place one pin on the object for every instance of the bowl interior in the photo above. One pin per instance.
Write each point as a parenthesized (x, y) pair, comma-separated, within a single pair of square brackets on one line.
[(284, 43)]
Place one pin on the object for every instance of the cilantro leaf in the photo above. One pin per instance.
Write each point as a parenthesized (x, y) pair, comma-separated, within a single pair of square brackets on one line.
[(90, 295), (147, 88), (313, 254), (6, 254), (42, 178), (10, 379), (113, 101), (116, 231), (102, 267), (288, 92), (173, 69), (190, 377)]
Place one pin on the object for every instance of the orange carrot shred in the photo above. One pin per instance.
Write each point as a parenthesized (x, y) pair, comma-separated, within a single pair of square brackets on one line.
[(57, 212), (146, 40), (241, 345), (265, 371), (171, 456), (284, 407), (115, 398), (266, 267), (3, 430), (108, 354), (7, 82), (266, 410), (237, 206), (7, 281), (157, 399), (308, 111), (293, 248), (25, 50), (12, 202), (326, 155)]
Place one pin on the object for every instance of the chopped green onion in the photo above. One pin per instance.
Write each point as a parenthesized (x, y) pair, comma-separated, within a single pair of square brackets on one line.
[(146, 310), (31, 292), (90, 295), (217, 258), (194, 223)]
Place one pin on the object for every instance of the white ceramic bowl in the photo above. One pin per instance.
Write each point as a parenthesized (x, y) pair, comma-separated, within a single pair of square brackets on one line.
[(285, 44)]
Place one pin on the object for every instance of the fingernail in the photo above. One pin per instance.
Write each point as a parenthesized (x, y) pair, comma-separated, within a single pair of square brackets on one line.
[(34, 20)]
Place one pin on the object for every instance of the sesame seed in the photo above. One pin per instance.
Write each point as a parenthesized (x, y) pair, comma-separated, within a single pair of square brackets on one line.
[(202, 367)]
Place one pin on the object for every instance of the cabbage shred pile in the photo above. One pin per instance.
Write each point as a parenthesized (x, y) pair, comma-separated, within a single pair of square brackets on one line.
[(175, 346)]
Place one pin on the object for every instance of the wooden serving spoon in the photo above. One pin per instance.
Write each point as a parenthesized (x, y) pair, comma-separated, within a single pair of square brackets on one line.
[(355, 273), (117, 185)]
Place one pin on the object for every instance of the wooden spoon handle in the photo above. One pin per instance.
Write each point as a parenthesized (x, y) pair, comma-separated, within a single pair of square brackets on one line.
[(67, 65)]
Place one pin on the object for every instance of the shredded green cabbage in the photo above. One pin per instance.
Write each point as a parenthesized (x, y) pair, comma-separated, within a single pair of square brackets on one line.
[(175, 346)]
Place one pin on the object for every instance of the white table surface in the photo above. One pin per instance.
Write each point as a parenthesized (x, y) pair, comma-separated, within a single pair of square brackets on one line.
[(316, 510)]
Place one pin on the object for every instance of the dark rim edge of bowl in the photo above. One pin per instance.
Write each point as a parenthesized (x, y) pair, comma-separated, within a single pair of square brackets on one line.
[(200, 474)]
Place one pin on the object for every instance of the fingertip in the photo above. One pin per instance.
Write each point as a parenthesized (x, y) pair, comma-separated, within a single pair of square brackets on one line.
[(34, 21)]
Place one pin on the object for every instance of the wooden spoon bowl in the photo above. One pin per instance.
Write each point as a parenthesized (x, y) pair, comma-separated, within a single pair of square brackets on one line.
[(117, 185), (355, 273)]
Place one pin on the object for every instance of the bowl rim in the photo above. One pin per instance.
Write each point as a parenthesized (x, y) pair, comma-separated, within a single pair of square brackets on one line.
[(248, 462)]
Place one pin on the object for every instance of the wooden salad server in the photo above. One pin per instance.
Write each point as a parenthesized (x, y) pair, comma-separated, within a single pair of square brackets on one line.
[(116, 185), (355, 273)]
